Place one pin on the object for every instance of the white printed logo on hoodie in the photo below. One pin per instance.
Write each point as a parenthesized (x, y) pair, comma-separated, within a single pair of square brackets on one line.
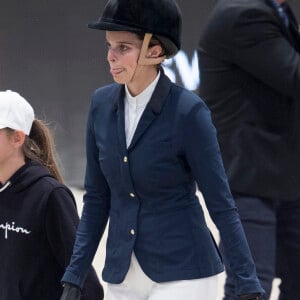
[(12, 227)]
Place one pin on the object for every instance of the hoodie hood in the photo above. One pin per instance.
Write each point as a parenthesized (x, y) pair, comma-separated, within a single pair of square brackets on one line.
[(27, 175)]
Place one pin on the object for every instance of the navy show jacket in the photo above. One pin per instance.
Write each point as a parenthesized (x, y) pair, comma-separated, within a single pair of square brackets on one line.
[(147, 191)]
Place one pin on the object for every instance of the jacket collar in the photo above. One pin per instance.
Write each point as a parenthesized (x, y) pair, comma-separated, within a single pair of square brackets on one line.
[(157, 99), (152, 110)]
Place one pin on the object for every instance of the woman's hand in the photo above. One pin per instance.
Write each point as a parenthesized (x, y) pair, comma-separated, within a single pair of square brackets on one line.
[(71, 292)]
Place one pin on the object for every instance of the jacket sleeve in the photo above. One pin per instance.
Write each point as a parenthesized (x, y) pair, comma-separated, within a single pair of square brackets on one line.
[(203, 156), (259, 45), (94, 214), (61, 224)]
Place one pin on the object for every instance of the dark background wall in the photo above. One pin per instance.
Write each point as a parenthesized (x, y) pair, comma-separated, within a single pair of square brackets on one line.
[(49, 56)]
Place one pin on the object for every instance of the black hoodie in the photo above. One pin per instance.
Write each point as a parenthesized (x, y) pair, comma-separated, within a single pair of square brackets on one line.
[(38, 221)]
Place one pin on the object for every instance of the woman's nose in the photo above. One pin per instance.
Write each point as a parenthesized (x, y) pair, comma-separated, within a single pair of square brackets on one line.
[(111, 55)]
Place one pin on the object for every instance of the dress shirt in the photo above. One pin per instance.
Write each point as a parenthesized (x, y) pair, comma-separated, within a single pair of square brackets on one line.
[(134, 108)]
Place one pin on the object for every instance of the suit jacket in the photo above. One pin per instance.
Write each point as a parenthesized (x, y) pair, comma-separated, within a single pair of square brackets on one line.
[(148, 192), (250, 80)]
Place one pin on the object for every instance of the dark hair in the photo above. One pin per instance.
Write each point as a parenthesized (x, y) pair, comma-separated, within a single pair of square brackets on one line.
[(153, 42), (39, 147)]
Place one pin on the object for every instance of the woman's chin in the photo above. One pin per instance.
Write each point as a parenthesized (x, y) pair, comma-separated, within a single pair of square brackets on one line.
[(119, 79)]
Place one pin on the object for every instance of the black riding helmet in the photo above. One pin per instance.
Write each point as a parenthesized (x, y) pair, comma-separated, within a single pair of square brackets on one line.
[(162, 18)]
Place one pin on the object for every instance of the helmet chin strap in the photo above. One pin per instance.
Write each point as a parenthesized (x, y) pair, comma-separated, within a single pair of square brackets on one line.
[(143, 60)]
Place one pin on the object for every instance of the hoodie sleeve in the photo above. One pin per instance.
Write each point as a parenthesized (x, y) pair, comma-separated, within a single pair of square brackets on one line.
[(61, 225)]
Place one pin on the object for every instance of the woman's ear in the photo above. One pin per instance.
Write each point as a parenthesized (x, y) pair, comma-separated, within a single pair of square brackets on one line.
[(155, 51), (18, 138)]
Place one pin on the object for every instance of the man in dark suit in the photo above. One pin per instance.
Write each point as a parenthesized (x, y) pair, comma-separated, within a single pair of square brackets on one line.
[(249, 55)]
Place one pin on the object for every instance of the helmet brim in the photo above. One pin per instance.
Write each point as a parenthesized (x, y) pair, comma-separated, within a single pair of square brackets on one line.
[(171, 48), (112, 27)]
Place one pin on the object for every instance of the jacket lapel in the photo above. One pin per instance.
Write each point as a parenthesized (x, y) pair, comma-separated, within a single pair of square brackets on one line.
[(119, 109), (153, 108), (294, 28), (291, 32)]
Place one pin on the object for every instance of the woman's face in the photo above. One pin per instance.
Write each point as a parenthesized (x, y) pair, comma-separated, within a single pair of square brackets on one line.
[(7, 149), (122, 54), (11, 152)]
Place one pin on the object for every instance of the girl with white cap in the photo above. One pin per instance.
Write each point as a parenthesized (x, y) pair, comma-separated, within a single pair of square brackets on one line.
[(38, 216)]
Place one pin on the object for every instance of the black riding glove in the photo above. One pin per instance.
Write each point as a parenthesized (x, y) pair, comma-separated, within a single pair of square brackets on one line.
[(70, 292), (251, 297)]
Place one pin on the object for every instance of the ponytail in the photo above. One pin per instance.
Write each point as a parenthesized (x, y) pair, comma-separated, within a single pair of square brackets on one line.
[(39, 147)]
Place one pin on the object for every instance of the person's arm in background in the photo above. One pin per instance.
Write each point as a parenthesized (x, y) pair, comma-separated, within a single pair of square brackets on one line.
[(253, 39), (61, 224), (260, 47)]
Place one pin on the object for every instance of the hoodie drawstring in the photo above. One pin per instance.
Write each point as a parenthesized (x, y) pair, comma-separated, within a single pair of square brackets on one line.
[(6, 185)]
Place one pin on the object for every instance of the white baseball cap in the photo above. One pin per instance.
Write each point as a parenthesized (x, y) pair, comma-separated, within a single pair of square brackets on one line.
[(15, 112)]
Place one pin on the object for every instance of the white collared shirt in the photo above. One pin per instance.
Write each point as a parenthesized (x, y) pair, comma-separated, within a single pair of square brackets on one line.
[(134, 108)]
